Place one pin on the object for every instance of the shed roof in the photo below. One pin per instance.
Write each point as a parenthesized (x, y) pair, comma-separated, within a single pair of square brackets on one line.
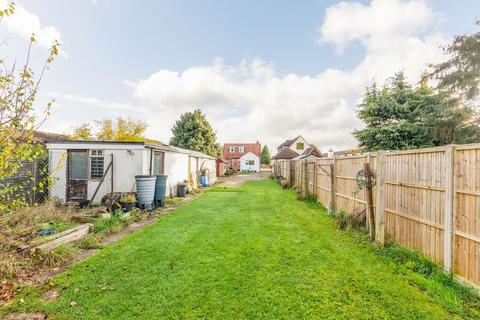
[(311, 151), (159, 146)]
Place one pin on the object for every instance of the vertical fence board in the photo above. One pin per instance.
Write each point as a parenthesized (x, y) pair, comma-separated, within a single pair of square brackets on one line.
[(428, 199)]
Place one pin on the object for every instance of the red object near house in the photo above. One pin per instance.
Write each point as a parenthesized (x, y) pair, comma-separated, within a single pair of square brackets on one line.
[(232, 152)]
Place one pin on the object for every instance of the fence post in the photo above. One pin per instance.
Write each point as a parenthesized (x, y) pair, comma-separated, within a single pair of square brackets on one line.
[(449, 205), (380, 201), (111, 184), (333, 188), (315, 178), (368, 224)]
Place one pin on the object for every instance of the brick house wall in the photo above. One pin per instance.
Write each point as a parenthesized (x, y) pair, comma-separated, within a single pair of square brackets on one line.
[(232, 152)]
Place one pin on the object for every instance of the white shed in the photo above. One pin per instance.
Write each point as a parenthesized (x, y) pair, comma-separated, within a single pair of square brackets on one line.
[(78, 168), (250, 162)]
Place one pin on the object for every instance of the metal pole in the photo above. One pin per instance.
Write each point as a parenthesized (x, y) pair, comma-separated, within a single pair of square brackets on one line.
[(111, 161)]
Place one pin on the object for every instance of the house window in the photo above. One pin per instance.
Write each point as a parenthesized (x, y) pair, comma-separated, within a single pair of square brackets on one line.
[(96, 164), (232, 149), (250, 162), (300, 146), (241, 149)]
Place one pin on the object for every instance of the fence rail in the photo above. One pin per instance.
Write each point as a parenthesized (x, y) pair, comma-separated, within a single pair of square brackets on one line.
[(427, 200)]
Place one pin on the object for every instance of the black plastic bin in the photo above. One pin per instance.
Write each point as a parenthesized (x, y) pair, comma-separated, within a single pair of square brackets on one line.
[(181, 189)]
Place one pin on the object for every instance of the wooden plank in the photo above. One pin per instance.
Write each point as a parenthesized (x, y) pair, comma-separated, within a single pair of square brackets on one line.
[(448, 214), (415, 151), (369, 197), (468, 192), (467, 236), (351, 198), (67, 236), (410, 217), (346, 178), (417, 186)]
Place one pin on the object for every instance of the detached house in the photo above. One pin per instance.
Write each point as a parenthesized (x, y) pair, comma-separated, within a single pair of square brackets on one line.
[(291, 148), (243, 156)]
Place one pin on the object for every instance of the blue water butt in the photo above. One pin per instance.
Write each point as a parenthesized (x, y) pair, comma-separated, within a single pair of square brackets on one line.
[(204, 181)]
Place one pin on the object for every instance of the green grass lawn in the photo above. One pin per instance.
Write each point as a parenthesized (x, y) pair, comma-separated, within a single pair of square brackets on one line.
[(255, 254)]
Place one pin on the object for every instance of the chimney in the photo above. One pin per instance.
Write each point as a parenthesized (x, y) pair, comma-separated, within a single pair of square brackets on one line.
[(330, 153)]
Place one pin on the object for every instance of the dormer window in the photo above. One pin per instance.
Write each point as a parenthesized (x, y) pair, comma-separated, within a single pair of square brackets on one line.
[(300, 146)]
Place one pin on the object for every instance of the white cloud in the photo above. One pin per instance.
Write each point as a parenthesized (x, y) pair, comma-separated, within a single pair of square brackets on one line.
[(25, 23), (351, 21), (250, 101), (65, 98)]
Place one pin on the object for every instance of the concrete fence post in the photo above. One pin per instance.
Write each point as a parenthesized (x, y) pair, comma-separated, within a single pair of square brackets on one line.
[(449, 208), (332, 207), (380, 200)]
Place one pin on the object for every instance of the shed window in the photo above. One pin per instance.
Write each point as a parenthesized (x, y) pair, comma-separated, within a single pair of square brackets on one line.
[(158, 160), (96, 164), (250, 162)]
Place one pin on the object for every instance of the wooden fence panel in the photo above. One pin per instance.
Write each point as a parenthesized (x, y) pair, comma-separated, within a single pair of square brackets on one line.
[(466, 243), (414, 201), (311, 177), (348, 195), (323, 180), (298, 174), (430, 199)]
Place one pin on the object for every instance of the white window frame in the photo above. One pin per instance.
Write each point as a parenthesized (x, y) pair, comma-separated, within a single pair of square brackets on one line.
[(241, 149), (250, 162), (232, 149), (96, 154)]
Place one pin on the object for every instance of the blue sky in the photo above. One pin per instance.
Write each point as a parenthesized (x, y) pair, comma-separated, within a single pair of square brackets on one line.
[(261, 70)]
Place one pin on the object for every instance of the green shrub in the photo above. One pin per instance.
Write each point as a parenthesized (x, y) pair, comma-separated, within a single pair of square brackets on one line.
[(55, 257), (89, 242), (351, 221), (114, 223)]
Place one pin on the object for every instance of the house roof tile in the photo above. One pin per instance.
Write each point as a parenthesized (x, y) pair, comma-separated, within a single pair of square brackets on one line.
[(285, 154)]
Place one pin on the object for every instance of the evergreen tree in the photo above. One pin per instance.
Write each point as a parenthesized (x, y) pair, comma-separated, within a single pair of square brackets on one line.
[(194, 132), (460, 74), (265, 157), (400, 116)]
